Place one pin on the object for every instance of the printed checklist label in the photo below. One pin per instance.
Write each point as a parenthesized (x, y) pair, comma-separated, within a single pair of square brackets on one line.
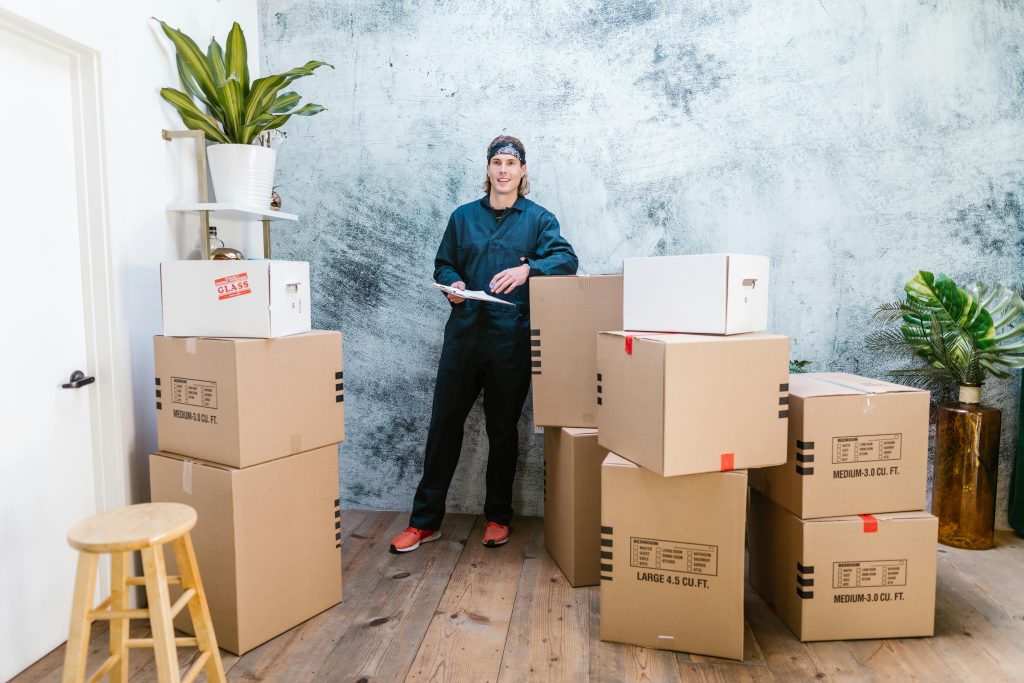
[(673, 556), (868, 448), (869, 574), (194, 392)]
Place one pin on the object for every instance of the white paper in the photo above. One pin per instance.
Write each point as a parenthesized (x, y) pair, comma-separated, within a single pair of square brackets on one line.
[(472, 294)]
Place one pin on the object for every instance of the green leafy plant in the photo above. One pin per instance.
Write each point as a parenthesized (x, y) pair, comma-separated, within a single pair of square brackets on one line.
[(962, 334), (798, 366), (219, 98)]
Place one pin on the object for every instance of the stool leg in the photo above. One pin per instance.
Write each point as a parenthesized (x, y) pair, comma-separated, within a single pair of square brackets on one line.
[(77, 651), (165, 652), (198, 608), (119, 572)]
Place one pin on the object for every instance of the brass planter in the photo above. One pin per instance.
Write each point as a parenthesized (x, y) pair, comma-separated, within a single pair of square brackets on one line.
[(966, 471)]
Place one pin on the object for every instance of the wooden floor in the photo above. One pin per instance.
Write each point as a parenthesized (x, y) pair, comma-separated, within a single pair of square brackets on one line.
[(456, 611)]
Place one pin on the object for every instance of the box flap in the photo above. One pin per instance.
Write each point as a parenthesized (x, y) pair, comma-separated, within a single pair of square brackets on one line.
[(857, 519), (612, 460), (577, 276), (580, 431), (811, 384), (194, 461), (257, 340), (683, 338)]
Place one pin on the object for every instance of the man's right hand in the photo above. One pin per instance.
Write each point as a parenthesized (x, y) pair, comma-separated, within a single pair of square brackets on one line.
[(454, 298)]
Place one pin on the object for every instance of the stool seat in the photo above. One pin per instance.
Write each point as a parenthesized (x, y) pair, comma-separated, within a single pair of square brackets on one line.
[(132, 528)]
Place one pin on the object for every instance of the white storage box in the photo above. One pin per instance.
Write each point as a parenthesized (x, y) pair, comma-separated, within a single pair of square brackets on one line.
[(701, 294), (235, 298)]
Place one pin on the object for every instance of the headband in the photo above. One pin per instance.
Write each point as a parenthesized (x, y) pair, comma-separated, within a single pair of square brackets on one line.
[(505, 147)]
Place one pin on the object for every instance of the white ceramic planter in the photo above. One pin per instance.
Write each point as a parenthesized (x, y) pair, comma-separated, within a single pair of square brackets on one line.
[(242, 174)]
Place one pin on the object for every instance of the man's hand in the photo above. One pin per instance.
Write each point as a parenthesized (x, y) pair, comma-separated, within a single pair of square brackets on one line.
[(507, 280), (454, 298)]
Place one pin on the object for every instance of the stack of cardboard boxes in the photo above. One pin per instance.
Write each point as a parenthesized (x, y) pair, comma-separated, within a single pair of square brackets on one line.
[(566, 313), (685, 409), (653, 503), (250, 411), (839, 544), (708, 403)]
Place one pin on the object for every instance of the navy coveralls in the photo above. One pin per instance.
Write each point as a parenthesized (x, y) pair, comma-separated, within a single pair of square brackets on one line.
[(486, 346)]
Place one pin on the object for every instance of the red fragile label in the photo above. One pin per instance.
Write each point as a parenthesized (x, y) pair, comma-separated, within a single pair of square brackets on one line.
[(629, 345), (727, 461), (870, 523), (232, 286)]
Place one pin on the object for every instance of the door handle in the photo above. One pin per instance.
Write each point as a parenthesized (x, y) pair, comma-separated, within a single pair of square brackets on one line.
[(78, 379)]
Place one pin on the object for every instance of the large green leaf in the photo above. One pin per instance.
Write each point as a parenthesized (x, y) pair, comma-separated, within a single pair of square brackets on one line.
[(192, 116), (237, 57), (284, 102), (308, 110), (189, 81), (215, 58), (941, 295), (193, 60)]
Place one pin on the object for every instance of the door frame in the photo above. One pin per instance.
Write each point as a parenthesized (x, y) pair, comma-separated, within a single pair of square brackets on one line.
[(110, 465)]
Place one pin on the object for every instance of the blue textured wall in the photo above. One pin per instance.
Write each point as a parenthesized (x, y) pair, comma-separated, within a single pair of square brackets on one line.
[(852, 142)]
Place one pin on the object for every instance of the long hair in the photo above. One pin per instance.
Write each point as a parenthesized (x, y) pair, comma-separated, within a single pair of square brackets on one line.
[(524, 183)]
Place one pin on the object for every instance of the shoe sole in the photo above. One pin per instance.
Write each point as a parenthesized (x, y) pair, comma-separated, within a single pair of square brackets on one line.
[(495, 544), (428, 539)]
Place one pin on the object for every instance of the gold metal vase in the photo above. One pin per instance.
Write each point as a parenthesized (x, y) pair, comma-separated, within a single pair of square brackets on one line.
[(966, 470)]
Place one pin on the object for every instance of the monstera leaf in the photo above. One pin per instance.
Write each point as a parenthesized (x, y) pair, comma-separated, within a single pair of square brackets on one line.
[(956, 330)]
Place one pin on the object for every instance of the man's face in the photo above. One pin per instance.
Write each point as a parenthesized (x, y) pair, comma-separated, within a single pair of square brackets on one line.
[(505, 172)]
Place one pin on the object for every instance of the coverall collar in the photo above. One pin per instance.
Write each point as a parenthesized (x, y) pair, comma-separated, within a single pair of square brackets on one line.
[(518, 205)]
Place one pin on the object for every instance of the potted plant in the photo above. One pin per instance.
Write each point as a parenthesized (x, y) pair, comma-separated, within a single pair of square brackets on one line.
[(220, 101), (962, 335)]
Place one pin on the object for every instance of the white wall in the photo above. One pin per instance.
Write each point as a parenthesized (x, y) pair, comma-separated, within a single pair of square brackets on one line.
[(143, 174)]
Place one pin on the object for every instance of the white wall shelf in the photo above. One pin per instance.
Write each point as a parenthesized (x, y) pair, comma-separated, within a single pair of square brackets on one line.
[(235, 211)]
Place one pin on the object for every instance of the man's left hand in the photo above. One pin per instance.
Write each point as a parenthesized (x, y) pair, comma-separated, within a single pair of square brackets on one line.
[(510, 278)]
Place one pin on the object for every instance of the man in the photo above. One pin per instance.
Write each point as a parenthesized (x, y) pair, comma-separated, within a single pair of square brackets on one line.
[(495, 243)]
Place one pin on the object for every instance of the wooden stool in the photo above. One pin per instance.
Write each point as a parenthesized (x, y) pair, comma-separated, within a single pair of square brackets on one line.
[(120, 532)]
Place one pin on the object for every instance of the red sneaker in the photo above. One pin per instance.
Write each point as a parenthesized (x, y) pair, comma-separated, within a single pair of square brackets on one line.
[(410, 539), (495, 534)]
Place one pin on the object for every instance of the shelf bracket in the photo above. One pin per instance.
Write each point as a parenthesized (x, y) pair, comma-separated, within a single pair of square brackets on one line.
[(200, 145)]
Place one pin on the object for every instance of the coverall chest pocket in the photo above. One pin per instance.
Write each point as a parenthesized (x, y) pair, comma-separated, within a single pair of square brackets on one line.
[(510, 253)]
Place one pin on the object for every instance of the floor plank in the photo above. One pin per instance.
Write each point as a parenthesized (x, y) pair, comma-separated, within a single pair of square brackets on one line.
[(457, 611), (466, 637), (389, 623), (786, 657), (549, 635)]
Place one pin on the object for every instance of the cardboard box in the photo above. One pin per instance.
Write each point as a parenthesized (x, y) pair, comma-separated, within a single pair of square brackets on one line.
[(566, 312), (240, 402), (855, 445), (845, 578), (235, 298), (672, 559), (266, 542), (572, 502), (683, 403), (702, 294)]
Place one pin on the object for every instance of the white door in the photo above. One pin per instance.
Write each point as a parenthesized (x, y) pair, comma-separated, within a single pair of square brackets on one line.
[(46, 458)]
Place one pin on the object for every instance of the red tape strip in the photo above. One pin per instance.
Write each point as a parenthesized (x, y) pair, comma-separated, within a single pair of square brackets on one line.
[(727, 461), (629, 345), (870, 523)]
